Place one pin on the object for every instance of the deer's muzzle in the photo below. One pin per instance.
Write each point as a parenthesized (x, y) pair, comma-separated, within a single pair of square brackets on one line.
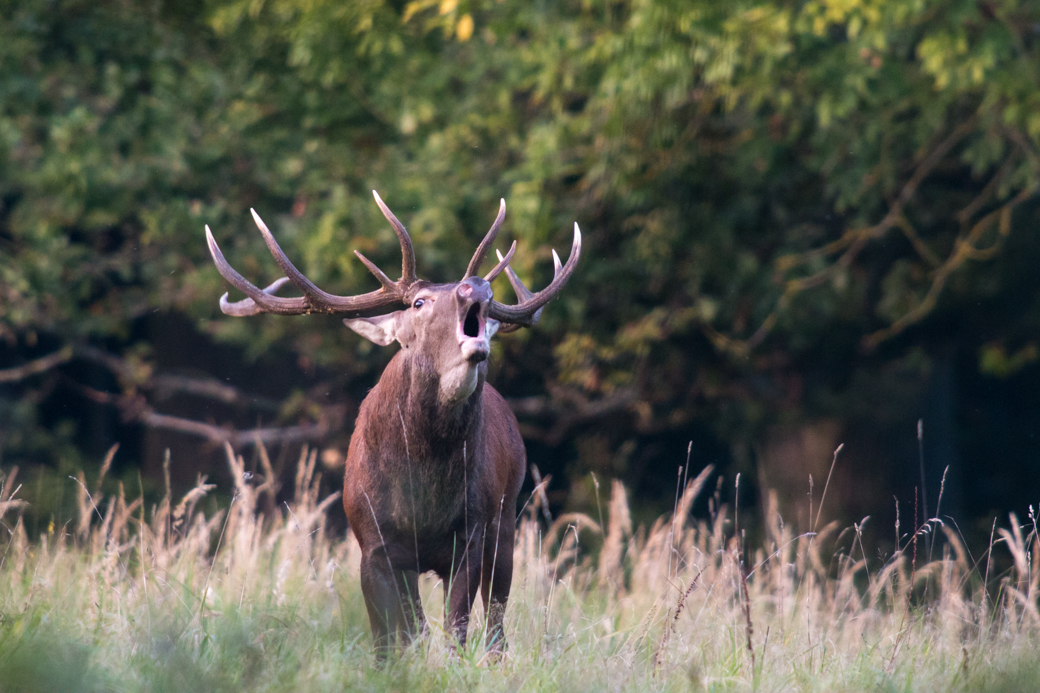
[(472, 298)]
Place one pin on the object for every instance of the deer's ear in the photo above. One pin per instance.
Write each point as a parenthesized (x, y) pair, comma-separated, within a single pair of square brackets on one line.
[(491, 327), (381, 329)]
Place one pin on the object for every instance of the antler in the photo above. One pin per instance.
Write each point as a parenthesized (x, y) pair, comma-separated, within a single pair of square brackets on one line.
[(314, 299), (485, 245), (530, 307)]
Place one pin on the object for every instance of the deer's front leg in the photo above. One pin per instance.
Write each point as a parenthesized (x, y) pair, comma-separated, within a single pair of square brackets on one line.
[(392, 601), (497, 578), (462, 591), (414, 623)]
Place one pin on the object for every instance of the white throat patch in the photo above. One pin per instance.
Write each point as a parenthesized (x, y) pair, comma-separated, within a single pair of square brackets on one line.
[(459, 383)]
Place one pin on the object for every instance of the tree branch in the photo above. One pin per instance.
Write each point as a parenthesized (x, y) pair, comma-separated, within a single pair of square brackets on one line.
[(567, 410), (40, 365), (218, 434), (964, 250), (853, 241), (166, 385), (135, 408), (163, 385)]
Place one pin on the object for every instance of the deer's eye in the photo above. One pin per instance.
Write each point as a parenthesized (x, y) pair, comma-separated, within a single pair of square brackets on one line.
[(418, 303)]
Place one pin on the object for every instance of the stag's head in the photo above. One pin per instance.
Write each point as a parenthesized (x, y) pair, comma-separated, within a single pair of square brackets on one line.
[(450, 326)]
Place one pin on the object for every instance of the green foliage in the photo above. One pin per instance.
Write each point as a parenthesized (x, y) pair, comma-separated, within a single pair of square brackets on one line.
[(22, 668), (769, 191)]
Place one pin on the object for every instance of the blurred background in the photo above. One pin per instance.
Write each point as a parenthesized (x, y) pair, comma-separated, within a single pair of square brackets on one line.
[(806, 224)]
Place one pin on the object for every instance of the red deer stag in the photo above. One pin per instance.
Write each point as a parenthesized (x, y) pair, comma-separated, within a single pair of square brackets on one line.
[(436, 459)]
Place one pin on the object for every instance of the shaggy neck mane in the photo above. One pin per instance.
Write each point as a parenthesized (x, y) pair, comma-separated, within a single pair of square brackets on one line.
[(435, 431)]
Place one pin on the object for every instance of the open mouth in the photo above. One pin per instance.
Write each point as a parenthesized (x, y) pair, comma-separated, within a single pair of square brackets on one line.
[(471, 323), (473, 337)]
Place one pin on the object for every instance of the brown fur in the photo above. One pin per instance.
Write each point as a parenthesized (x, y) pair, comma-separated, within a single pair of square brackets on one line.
[(433, 486)]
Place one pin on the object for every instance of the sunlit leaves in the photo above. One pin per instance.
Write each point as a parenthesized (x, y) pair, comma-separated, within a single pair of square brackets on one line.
[(701, 145)]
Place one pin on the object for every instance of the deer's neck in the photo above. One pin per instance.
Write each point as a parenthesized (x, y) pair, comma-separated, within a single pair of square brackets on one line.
[(434, 428), (429, 449)]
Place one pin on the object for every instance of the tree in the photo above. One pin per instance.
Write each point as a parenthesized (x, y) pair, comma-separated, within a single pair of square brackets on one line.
[(784, 202)]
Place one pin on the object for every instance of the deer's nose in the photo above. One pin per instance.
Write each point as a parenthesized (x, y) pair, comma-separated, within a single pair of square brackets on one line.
[(474, 289)]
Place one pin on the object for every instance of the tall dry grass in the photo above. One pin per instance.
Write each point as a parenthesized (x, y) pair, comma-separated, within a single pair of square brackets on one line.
[(125, 597)]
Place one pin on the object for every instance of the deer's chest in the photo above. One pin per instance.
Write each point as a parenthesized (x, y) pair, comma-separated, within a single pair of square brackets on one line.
[(428, 497)]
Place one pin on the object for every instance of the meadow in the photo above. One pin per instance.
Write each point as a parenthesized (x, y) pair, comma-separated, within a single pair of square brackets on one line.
[(171, 598)]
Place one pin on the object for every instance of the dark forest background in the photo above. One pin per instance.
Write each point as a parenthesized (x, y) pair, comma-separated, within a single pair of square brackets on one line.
[(805, 224)]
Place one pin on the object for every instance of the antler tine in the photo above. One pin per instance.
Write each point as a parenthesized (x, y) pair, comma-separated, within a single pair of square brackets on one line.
[(259, 301), (318, 299), (407, 253), (528, 310), (388, 284), (247, 306), (522, 292), (485, 245), (503, 263)]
